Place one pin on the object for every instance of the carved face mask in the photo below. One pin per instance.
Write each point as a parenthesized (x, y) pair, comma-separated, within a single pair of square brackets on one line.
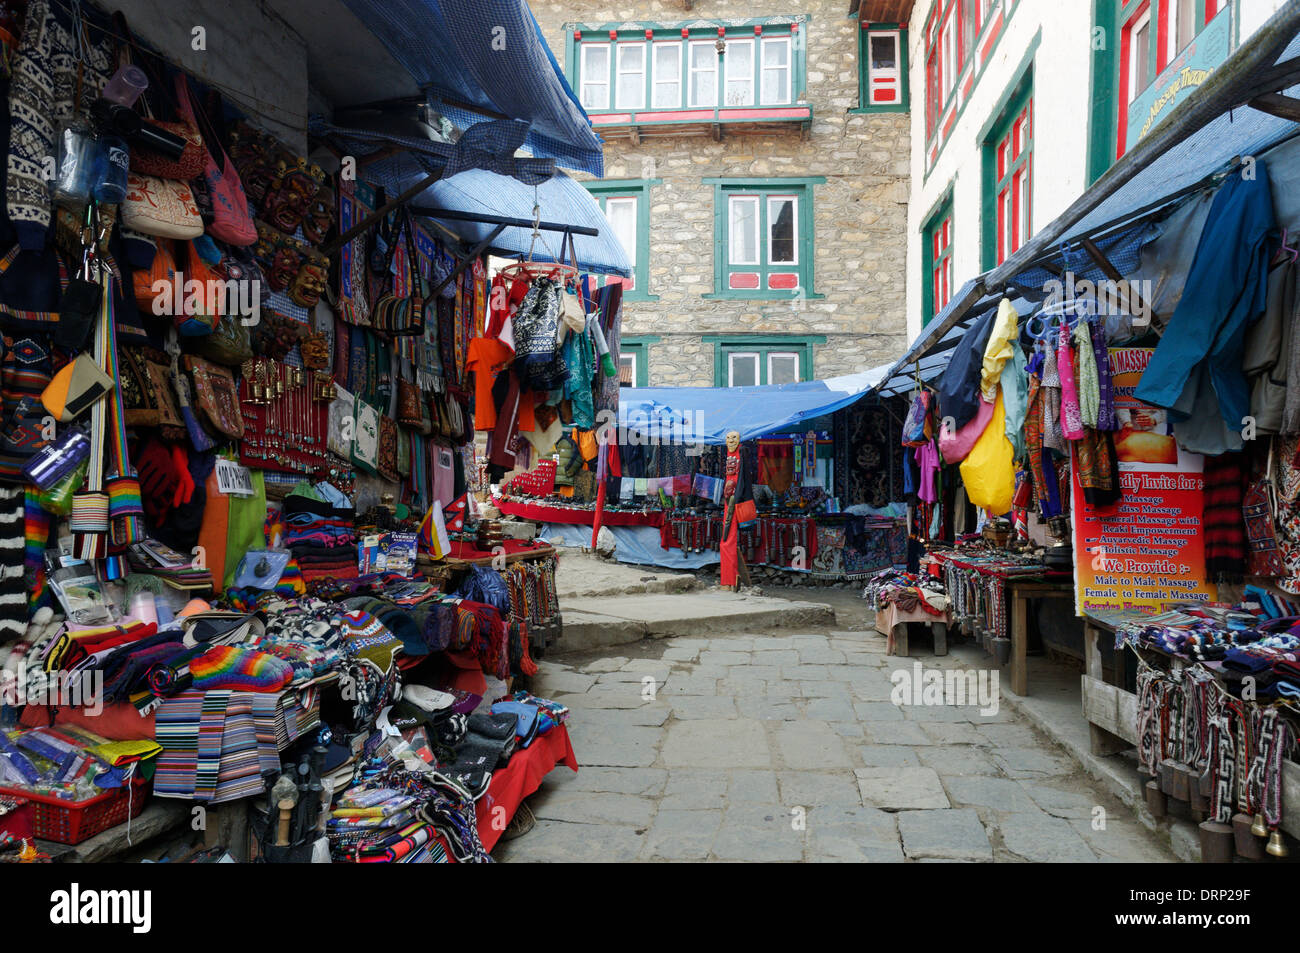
[(733, 441), (320, 216)]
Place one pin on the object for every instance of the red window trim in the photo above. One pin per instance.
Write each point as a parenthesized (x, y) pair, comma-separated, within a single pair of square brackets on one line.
[(1013, 220), (1125, 32), (941, 269)]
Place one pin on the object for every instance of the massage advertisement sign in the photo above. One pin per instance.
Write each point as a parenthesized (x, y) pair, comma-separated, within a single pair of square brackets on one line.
[(1180, 78), (1147, 549)]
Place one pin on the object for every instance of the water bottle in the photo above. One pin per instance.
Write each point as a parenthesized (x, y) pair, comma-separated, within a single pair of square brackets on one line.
[(112, 165), (73, 179)]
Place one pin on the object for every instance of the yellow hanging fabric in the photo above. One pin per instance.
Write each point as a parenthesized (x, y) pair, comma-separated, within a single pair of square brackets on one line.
[(989, 469), (1006, 329)]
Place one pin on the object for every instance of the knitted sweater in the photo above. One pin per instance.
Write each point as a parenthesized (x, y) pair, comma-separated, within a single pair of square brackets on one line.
[(42, 97)]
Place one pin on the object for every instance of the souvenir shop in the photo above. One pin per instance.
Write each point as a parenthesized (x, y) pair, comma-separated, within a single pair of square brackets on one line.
[(246, 565), (1108, 464), (664, 487)]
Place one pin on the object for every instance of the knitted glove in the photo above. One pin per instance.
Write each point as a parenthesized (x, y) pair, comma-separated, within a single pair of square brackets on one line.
[(158, 481)]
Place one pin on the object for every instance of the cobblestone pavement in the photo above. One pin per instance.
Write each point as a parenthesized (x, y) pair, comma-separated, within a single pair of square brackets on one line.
[(788, 747)]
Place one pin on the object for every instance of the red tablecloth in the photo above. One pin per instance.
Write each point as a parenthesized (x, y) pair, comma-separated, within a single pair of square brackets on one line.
[(576, 516), (520, 778), (512, 547)]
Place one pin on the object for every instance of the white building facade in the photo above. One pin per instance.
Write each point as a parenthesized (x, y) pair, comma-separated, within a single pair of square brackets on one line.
[(1019, 105)]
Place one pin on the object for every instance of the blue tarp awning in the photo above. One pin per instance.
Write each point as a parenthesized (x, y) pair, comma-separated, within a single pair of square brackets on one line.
[(480, 59), (704, 415), (561, 199)]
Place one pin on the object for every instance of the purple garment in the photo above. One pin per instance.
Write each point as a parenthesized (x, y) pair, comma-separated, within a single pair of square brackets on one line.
[(927, 458), (1106, 407)]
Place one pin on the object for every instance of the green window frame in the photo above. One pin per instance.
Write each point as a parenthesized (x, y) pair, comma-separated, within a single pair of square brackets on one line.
[(773, 49), (874, 82), (606, 190), (773, 259), (1121, 74), (764, 353), (936, 254), (637, 347), (1007, 160)]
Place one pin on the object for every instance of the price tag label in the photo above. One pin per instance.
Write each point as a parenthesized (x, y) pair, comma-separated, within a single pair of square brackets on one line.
[(234, 480)]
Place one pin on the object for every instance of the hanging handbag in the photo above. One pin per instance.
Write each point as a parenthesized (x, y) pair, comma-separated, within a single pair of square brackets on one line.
[(76, 388), (232, 222), (917, 429), (189, 164), (162, 207), (229, 343), (1257, 508), (145, 161), (388, 448), (216, 396), (199, 437), (402, 314), (162, 269), (199, 316), (408, 405)]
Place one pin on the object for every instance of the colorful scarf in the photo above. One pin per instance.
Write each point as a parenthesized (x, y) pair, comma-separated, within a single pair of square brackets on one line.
[(230, 667)]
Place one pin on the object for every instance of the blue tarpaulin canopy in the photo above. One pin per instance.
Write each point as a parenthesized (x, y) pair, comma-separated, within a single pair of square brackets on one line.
[(561, 199), (478, 59), (483, 177), (703, 415)]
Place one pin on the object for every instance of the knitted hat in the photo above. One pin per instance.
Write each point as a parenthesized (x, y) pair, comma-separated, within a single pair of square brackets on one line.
[(364, 636)]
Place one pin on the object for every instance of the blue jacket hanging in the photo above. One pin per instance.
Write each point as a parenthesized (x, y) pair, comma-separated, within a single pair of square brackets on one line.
[(1196, 370)]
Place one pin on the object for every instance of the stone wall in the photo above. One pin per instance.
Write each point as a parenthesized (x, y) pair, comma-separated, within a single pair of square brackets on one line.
[(258, 59), (860, 212)]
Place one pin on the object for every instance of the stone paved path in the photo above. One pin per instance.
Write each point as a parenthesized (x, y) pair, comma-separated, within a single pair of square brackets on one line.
[(787, 747)]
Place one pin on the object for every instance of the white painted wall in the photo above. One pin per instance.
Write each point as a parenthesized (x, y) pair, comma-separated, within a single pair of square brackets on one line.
[(1061, 100), (1062, 97)]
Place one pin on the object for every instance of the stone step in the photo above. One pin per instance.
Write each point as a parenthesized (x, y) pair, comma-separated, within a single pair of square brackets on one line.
[(581, 575), (591, 623)]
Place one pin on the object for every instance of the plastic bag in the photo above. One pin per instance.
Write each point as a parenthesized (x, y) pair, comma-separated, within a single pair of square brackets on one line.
[(57, 499)]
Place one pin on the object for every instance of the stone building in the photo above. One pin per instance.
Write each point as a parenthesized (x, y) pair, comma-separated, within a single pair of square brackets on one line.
[(757, 170)]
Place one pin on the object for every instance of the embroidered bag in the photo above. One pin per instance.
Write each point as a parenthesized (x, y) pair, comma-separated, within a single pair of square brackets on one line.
[(162, 207), (231, 221), (216, 397), (917, 429)]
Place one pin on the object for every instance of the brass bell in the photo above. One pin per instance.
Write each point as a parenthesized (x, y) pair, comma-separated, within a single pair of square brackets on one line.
[(1258, 827), (1276, 846)]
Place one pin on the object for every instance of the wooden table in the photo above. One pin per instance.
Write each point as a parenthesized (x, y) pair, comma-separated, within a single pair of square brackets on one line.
[(1019, 592)]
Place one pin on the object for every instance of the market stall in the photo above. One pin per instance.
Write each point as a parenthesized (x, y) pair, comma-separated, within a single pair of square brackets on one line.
[(665, 480), (1110, 417), (248, 565)]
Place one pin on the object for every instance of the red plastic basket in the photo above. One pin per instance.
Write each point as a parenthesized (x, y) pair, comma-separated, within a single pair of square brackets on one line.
[(71, 822)]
